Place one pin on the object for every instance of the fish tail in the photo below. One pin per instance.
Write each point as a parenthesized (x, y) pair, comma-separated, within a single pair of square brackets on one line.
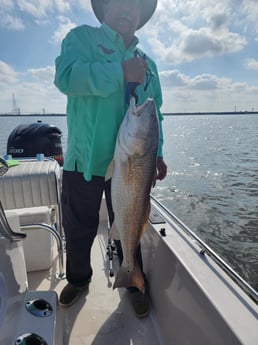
[(133, 278)]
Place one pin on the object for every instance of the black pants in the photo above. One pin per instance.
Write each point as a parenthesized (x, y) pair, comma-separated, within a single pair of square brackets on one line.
[(81, 202)]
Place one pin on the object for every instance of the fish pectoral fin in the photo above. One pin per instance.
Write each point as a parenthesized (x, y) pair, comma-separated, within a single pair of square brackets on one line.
[(110, 170), (114, 234), (125, 169), (130, 278)]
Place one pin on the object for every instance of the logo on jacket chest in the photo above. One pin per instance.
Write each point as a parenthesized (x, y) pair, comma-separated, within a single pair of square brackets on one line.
[(105, 50)]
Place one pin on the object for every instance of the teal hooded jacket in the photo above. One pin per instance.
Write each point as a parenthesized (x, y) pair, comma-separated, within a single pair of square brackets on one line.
[(90, 73)]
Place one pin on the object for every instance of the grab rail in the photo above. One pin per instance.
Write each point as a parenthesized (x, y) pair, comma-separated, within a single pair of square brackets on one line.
[(59, 242), (237, 278)]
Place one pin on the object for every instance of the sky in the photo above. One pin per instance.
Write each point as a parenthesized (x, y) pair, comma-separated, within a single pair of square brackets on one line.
[(206, 52)]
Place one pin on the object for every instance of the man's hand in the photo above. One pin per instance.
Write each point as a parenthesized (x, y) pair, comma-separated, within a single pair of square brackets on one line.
[(134, 70), (161, 169)]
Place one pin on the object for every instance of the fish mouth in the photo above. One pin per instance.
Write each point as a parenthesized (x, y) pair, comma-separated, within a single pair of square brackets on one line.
[(148, 104)]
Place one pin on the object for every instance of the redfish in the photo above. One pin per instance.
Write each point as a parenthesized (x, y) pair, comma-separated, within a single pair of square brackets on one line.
[(133, 175)]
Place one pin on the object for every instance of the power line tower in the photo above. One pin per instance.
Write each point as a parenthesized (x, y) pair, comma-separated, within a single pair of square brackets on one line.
[(15, 109)]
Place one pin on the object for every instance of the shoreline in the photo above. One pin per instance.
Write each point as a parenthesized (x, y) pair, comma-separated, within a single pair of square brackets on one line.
[(165, 114)]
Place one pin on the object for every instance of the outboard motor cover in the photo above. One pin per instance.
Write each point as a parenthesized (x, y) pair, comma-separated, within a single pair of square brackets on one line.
[(29, 139)]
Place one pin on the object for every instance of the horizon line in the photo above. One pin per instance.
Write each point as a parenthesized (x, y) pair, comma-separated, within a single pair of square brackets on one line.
[(164, 113)]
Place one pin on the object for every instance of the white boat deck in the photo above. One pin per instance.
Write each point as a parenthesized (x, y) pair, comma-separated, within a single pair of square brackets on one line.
[(101, 316)]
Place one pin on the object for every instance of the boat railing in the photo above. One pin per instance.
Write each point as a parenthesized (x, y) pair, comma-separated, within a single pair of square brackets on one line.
[(241, 282)]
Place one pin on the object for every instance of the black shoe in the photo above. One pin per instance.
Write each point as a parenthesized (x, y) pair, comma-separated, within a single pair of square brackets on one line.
[(140, 302), (70, 294)]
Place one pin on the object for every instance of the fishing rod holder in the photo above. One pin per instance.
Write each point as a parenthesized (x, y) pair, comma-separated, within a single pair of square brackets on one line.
[(111, 247)]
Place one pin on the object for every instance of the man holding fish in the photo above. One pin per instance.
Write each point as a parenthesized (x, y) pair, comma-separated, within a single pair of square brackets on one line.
[(99, 69)]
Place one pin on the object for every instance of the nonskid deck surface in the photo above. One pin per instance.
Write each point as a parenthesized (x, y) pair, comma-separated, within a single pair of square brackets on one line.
[(102, 316)]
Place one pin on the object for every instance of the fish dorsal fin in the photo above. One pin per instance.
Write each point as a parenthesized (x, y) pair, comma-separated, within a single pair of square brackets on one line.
[(114, 234), (110, 170)]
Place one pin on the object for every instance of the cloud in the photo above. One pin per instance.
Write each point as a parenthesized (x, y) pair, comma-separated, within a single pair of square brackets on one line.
[(187, 30), (205, 82), (252, 64), (33, 89), (34, 96), (218, 21), (173, 78), (41, 8), (7, 74), (65, 25), (10, 22), (86, 5), (203, 43), (6, 5), (176, 79), (43, 75), (180, 32), (250, 11), (205, 92), (12, 13)]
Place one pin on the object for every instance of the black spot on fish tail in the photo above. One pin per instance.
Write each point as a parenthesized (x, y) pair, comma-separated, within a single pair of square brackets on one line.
[(130, 278)]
